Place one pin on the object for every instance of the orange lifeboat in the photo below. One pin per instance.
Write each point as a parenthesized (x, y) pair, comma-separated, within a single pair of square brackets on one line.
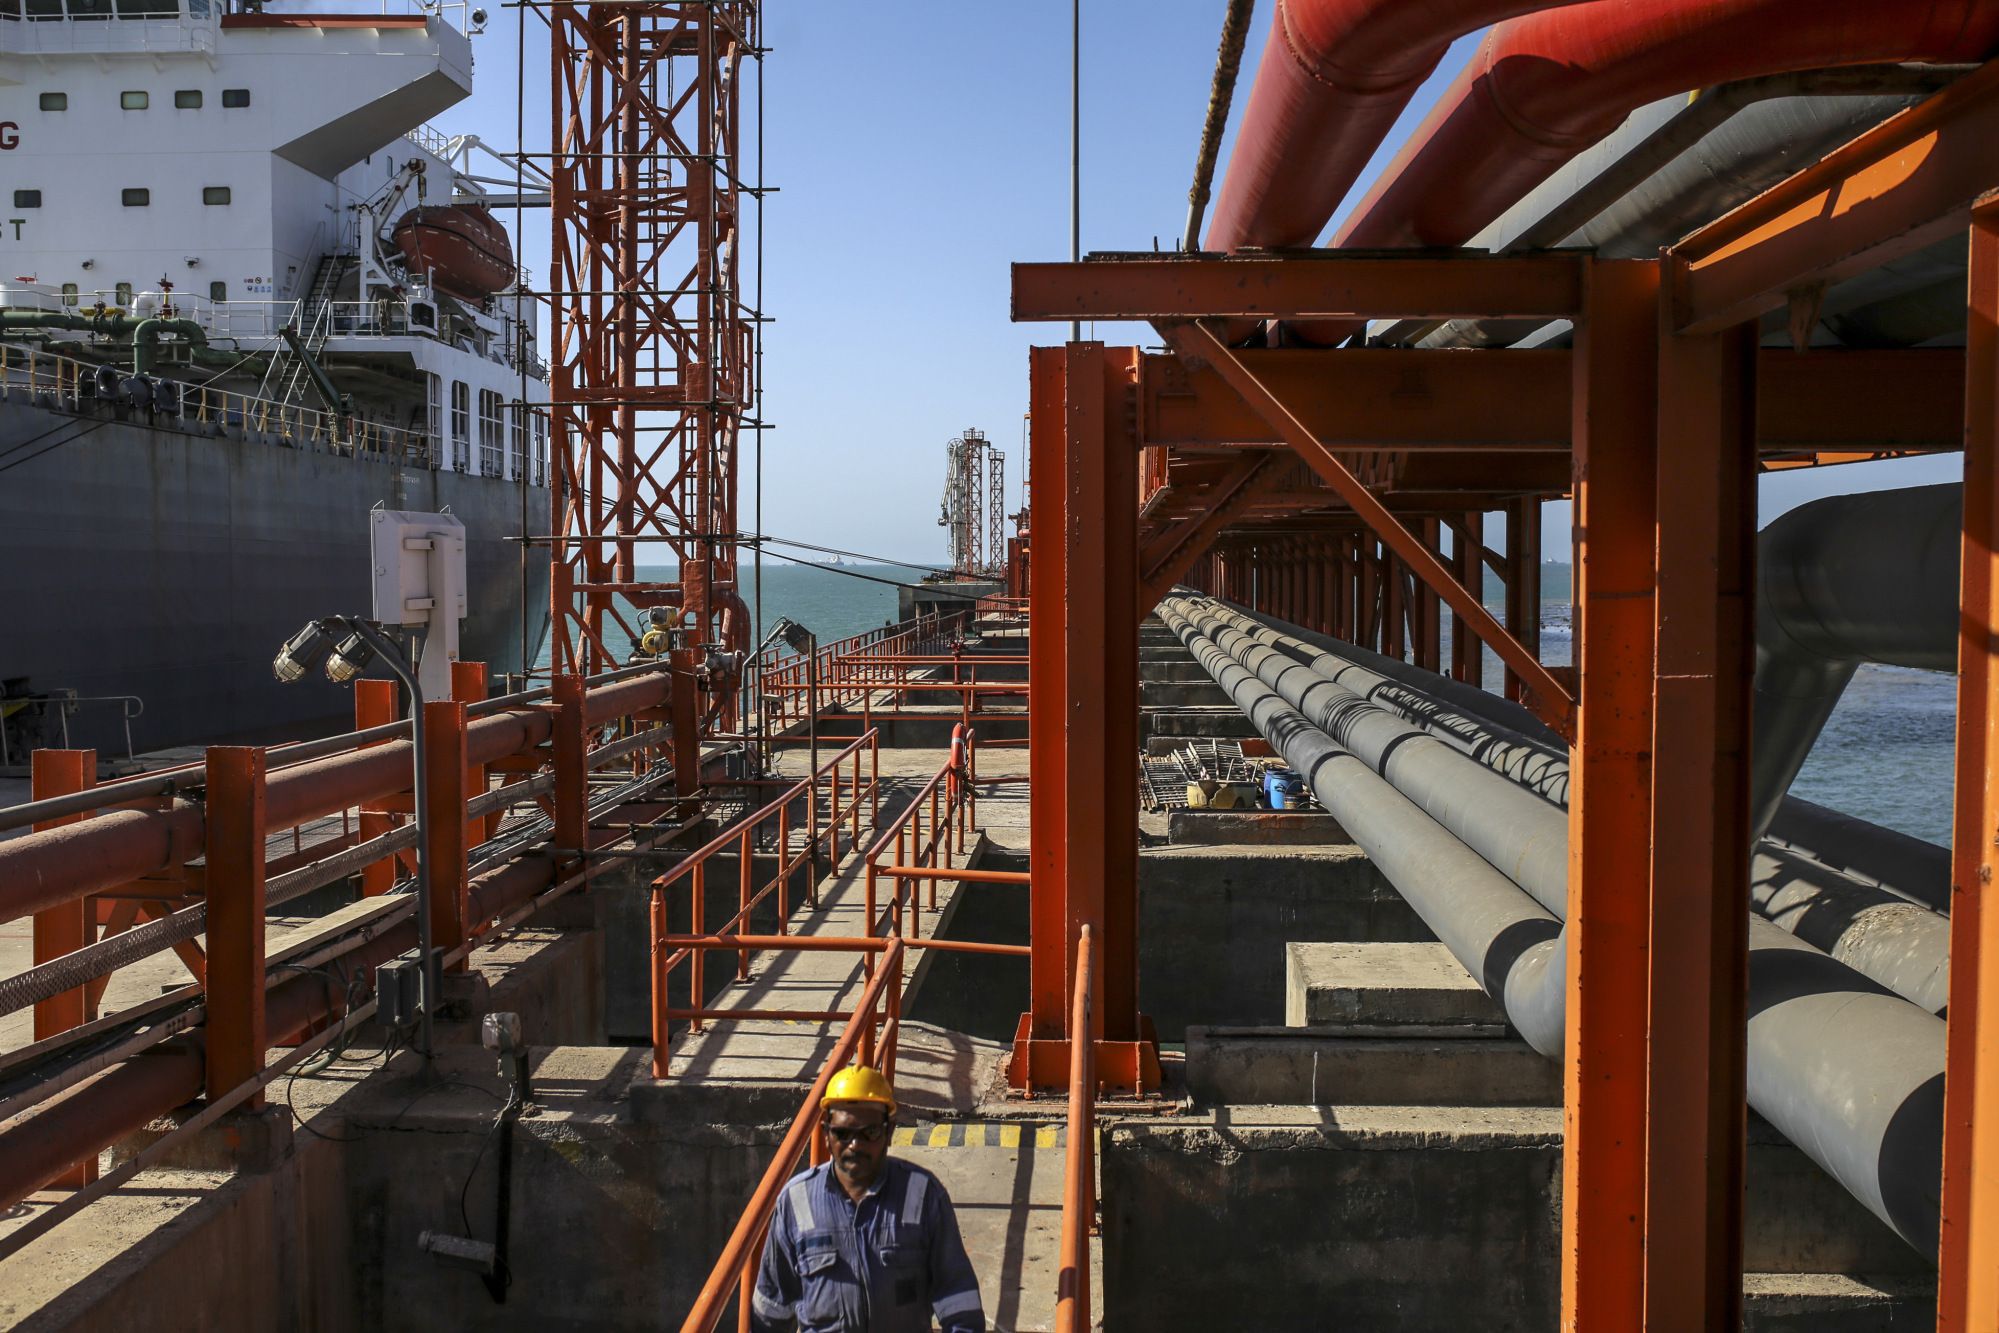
[(462, 248)]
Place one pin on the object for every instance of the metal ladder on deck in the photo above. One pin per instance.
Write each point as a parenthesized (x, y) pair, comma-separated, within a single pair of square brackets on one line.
[(286, 378)]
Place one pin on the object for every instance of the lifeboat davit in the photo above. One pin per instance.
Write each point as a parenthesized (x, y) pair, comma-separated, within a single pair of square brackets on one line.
[(462, 248)]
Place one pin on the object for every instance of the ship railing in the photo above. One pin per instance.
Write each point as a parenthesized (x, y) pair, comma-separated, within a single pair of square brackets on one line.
[(920, 661), (57, 27), (373, 319), (64, 382)]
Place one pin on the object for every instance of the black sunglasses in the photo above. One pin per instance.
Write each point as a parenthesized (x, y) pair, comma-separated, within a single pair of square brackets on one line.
[(865, 1133)]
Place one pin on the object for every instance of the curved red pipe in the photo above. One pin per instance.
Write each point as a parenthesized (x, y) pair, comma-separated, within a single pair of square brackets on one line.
[(1545, 87), (1335, 74)]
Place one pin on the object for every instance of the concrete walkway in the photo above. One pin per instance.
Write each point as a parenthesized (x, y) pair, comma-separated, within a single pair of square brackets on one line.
[(1002, 1163)]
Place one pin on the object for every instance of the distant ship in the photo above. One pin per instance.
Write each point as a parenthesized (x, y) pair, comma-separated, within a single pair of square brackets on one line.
[(251, 297)]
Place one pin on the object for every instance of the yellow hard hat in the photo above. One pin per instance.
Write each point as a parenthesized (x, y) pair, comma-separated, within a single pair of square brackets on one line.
[(858, 1083)]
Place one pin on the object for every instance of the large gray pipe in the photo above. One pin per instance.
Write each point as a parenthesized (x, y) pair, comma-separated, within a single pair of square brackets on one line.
[(1841, 581), (1877, 933), (1850, 1073)]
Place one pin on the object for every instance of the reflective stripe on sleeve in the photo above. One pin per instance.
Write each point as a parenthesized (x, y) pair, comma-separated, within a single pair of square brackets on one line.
[(912, 1198), (965, 1302), (800, 1194), (769, 1307)]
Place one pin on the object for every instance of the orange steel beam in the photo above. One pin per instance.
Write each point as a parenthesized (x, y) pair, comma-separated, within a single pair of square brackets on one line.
[(234, 984), (375, 706), (1610, 804), (1166, 560), (1968, 1268), (1698, 959), (66, 927), (1198, 342), (1047, 713), (449, 832), (1523, 583), (1903, 184), (1301, 286), (1517, 401)]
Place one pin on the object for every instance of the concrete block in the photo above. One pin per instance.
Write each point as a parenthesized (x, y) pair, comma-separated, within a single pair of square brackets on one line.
[(1214, 923), (1382, 983), (1173, 670), (1359, 1066), (1181, 694), (245, 1141), (1182, 722), (1410, 1217)]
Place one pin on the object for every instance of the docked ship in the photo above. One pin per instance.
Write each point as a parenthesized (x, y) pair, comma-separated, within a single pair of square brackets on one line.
[(246, 296)]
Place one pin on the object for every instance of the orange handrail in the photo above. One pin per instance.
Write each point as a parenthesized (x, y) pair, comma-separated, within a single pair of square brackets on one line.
[(735, 1271), (1072, 1297), (670, 951)]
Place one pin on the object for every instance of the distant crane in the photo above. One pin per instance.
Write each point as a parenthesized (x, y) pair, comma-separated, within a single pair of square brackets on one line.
[(974, 508)]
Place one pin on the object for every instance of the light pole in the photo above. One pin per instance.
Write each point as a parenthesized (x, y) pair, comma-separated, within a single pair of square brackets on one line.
[(343, 661)]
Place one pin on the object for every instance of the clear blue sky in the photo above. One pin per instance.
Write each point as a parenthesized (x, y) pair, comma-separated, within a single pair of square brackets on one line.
[(918, 150)]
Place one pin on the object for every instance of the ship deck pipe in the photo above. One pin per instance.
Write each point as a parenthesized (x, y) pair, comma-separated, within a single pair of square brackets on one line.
[(1882, 936), (1895, 862), (1850, 1073)]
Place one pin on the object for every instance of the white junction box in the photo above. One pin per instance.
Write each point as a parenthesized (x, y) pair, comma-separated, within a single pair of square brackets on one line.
[(419, 579)]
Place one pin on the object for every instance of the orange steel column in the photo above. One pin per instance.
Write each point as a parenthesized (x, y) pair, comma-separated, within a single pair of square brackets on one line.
[(1523, 583), (234, 818), (449, 832), (67, 928), (572, 780), (1046, 719), (375, 706), (469, 686), (1614, 402), (1468, 563), (684, 708), (1428, 618), (1699, 952), (1968, 1270)]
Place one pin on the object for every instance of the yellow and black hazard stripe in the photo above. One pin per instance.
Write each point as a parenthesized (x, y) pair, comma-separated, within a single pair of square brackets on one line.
[(972, 1134)]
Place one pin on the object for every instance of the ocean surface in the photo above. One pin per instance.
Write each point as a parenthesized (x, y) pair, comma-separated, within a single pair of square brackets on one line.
[(1885, 755)]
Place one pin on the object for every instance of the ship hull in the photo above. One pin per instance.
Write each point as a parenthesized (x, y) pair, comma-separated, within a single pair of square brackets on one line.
[(170, 564)]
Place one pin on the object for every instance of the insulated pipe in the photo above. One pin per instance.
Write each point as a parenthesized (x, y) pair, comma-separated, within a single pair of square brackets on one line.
[(1849, 1073), (1878, 934), (1334, 76), (1546, 86), (1907, 867), (43, 870), (1860, 922), (1841, 581)]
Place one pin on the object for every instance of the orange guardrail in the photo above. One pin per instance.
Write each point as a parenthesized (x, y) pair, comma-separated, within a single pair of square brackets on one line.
[(1079, 1202), (735, 1273)]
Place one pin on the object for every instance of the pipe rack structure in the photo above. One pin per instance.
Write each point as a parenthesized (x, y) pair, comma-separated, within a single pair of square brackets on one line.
[(1347, 490)]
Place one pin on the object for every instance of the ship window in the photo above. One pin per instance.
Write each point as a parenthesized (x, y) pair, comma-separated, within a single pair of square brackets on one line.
[(27, 198), (540, 449), (235, 97), (215, 194), (133, 101), (135, 198), (461, 426), (69, 293), (121, 296), (218, 291), (187, 99), (492, 429), (55, 101), (517, 441)]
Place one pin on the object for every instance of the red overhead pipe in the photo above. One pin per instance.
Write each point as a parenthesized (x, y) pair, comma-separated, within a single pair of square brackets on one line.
[(1545, 87), (1335, 75)]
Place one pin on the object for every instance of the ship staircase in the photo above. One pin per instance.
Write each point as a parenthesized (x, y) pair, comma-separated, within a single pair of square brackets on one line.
[(286, 380)]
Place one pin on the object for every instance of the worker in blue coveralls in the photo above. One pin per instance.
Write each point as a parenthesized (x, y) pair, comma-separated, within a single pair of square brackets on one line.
[(864, 1243)]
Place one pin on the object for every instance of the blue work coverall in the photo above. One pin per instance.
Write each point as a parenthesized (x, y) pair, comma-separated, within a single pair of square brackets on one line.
[(884, 1265)]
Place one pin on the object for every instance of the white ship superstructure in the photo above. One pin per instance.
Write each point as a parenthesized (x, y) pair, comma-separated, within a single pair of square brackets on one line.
[(245, 294)]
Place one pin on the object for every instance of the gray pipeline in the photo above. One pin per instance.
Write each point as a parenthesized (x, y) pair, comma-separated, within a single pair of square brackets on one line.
[(1847, 1071), (1841, 581), (1863, 920)]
